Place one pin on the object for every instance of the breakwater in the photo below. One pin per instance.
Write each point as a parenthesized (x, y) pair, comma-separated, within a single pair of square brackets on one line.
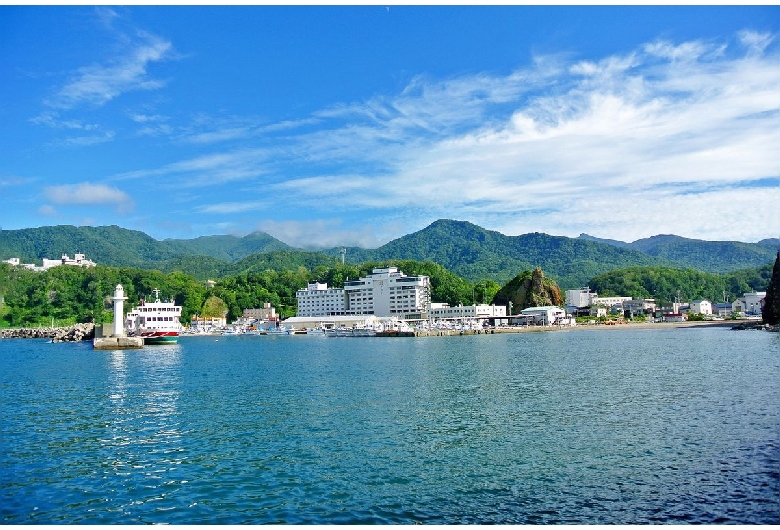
[(75, 333)]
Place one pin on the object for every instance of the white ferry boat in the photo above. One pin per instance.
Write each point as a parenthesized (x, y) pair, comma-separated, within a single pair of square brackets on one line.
[(157, 322)]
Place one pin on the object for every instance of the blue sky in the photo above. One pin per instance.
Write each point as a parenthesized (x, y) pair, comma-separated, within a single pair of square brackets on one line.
[(328, 126)]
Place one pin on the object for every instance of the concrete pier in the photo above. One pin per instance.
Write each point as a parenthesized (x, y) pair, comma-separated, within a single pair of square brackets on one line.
[(118, 343)]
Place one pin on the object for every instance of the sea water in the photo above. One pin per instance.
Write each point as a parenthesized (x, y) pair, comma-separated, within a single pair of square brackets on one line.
[(581, 426)]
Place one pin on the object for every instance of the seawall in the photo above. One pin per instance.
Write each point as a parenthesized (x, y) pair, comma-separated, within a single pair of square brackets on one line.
[(73, 333)]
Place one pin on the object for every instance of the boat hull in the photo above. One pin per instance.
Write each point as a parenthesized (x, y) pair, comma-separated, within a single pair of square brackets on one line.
[(160, 337)]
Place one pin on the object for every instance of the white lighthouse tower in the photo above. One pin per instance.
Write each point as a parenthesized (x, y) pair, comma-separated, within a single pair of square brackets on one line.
[(119, 311)]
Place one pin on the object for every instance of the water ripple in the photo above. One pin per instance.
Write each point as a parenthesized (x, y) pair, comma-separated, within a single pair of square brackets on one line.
[(635, 427)]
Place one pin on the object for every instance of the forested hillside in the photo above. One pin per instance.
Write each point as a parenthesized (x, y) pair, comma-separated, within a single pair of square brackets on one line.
[(665, 284)]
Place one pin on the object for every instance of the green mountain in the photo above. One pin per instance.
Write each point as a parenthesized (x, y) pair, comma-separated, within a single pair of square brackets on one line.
[(107, 245), (479, 254)]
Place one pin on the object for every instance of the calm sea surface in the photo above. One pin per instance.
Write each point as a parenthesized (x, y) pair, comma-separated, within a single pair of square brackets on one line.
[(582, 426)]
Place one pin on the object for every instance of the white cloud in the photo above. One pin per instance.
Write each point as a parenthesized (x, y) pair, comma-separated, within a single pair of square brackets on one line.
[(233, 207), (86, 193), (755, 41), (47, 210), (98, 84)]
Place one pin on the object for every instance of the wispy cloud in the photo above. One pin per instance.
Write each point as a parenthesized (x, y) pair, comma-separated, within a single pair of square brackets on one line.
[(98, 84), (86, 193), (92, 139), (323, 233)]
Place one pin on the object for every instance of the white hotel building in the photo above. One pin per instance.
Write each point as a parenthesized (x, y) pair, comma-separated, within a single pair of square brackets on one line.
[(385, 292)]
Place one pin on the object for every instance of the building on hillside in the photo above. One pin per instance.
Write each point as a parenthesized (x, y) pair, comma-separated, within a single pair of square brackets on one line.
[(79, 260), (701, 307)]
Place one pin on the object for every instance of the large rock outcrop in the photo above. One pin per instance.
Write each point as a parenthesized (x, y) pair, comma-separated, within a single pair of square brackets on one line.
[(771, 310), (529, 289)]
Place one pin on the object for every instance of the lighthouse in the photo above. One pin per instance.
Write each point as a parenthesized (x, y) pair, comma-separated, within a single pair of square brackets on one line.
[(119, 311)]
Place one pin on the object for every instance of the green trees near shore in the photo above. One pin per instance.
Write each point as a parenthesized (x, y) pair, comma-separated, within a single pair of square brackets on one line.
[(70, 295)]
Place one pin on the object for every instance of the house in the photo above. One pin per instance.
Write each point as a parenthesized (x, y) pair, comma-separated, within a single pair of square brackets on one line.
[(701, 307), (675, 317)]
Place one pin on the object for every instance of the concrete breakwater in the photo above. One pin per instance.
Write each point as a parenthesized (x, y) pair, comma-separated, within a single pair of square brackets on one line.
[(73, 333)]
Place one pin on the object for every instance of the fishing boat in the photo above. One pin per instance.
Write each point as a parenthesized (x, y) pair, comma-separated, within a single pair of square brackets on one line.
[(157, 322)]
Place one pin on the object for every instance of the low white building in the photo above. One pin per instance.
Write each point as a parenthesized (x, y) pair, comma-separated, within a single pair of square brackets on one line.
[(444, 311), (541, 316), (267, 312), (207, 323), (610, 301)]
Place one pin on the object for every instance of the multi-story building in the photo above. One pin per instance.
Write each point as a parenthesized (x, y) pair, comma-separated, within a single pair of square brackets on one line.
[(388, 292), (385, 292), (580, 298), (317, 300)]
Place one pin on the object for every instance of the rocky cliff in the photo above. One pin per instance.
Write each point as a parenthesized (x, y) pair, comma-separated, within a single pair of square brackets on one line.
[(529, 289), (771, 311)]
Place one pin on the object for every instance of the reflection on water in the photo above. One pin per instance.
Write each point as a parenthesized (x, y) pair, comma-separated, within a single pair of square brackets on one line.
[(144, 429)]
